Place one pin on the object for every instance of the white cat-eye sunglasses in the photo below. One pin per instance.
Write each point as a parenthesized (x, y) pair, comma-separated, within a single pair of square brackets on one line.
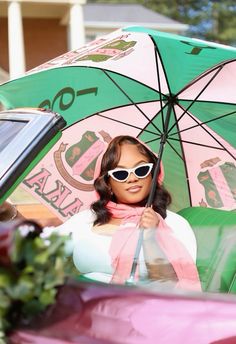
[(122, 174)]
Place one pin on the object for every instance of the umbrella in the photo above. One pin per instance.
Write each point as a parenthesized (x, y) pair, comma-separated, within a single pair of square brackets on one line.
[(173, 92)]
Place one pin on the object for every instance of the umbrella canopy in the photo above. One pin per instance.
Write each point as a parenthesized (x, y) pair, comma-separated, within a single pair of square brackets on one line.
[(170, 91)]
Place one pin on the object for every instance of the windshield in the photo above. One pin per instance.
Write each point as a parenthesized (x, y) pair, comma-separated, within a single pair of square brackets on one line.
[(8, 130)]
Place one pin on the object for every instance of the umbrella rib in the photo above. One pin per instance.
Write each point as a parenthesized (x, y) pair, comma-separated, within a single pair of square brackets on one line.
[(129, 125), (211, 135), (115, 83), (153, 140), (158, 77), (172, 147), (221, 65), (159, 87), (196, 98), (202, 123), (199, 144), (184, 161)]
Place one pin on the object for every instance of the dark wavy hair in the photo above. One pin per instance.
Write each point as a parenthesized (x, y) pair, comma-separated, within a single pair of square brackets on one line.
[(110, 160)]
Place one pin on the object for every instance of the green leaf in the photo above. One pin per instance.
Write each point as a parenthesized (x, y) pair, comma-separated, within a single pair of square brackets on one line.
[(29, 269), (32, 308), (38, 267), (42, 258), (23, 290), (53, 282), (5, 279), (2, 338), (48, 296), (5, 301), (39, 243)]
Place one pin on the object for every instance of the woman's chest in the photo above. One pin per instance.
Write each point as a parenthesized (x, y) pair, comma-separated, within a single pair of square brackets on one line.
[(91, 252)]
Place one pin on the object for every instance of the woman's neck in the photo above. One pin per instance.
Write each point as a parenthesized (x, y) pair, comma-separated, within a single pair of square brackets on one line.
[(115, 221)]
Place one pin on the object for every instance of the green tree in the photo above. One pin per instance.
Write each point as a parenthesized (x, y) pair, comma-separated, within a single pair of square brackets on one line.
[(208, 19), (223, 27)]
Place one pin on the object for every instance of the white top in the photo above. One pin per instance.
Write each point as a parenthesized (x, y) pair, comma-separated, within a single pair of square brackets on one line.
[(91, 250)]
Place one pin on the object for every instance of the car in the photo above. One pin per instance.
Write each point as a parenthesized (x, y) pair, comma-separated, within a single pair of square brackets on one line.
[(86, 311)]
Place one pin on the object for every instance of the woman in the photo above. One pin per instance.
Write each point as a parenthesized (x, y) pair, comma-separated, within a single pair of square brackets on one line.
[(104, 237)]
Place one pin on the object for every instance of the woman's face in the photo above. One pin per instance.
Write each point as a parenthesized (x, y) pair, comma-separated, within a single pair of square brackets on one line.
[(134, 189)]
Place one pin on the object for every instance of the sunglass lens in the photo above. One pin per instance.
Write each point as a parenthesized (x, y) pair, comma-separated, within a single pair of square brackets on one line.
[(120, 175), (142, 171)]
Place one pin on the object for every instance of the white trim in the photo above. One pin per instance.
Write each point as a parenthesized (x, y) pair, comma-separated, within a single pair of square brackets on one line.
[(15, 40), (76, 26), (112, 25)]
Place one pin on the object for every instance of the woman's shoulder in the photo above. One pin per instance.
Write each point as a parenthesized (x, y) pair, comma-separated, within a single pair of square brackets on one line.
[(179, 224), (84, 214), (174, 217), (183, 231), (81, 219)]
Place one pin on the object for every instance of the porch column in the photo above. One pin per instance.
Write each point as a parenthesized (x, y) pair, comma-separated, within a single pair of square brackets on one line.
[(15, 40), (76, 25)]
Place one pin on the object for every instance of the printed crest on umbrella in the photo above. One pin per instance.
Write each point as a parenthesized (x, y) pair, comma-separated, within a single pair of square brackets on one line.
[(211, 171), (116, 50), (63, 180), (219, 182), (81, 157)]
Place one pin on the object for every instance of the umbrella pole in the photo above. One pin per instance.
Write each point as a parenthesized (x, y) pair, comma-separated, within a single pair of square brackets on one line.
[(131, 279)]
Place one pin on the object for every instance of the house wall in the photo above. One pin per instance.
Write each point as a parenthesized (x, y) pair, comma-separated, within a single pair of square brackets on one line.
[(3, 44), (45, 25), (44, 39)]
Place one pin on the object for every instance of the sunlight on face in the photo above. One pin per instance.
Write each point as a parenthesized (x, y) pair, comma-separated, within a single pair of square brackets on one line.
[(133, 190)]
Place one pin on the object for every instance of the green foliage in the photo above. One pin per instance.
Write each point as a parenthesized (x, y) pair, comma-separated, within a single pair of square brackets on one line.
[(207, 19), (29, 283)]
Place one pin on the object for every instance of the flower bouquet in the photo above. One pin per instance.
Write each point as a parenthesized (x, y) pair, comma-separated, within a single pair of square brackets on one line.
[(31, 270)]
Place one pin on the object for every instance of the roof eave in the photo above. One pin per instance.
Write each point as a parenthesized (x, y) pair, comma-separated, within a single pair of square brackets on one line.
[(113, 25)]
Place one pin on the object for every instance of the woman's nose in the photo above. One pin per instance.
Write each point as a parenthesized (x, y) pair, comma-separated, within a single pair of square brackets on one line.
[(132, 177)]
